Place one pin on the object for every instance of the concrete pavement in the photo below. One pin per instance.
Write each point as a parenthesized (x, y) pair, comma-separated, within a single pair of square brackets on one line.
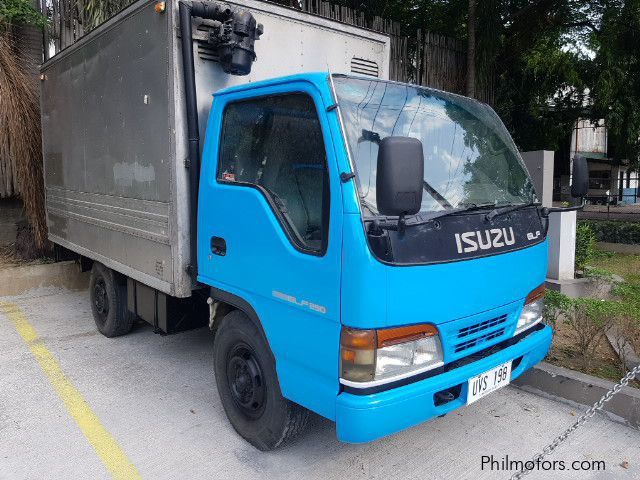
[(156, 397)]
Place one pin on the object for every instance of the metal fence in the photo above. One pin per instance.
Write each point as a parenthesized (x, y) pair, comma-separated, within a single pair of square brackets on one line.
[(621, 203)]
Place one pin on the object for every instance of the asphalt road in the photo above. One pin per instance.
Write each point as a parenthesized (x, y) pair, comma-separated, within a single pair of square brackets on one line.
[(156, 398)]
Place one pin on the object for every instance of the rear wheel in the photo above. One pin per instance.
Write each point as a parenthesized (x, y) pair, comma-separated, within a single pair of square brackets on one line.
[(108, 295), (248, 385)]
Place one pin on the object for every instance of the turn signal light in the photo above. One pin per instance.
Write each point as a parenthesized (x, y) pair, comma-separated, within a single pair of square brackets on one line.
[(369, 357), (393, 336), (536, 294)]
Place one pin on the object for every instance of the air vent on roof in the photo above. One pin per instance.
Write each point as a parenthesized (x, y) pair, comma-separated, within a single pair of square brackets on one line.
[(363, 66)]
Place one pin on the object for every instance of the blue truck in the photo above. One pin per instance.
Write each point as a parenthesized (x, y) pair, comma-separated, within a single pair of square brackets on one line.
[(368, 250)]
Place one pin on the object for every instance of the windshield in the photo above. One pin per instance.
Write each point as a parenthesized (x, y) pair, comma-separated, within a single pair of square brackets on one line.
[(469, 157)]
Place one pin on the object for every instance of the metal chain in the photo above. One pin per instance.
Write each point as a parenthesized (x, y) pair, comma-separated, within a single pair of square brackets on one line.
[(548, 450)]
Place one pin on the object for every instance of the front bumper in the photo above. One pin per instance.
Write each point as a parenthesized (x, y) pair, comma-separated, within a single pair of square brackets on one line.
[(363, 418)]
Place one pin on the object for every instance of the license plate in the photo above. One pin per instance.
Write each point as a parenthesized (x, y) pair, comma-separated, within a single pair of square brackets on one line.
[(488, 382)]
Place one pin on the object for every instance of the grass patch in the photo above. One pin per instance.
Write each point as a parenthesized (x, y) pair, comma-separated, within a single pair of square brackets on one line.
[(626, 266), (583, 321)]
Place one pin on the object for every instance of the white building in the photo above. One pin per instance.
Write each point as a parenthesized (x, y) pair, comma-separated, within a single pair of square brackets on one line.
[(610, 180)]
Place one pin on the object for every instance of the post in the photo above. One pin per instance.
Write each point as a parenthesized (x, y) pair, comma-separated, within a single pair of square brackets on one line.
[(562, 246), (540, 166), (562, 226)]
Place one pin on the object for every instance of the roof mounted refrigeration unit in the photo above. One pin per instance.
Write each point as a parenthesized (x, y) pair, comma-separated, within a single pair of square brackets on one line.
[(231, 34)]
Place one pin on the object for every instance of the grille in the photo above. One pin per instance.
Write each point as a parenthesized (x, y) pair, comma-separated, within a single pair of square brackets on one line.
[(364, 67), (479, 333)]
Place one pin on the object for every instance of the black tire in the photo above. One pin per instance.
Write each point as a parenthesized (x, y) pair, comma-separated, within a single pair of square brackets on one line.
[(248, 385), (108, 294)]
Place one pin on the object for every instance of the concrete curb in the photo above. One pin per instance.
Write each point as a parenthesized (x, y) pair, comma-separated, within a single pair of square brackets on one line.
[(576, 387), (17, 280), (623, 348)]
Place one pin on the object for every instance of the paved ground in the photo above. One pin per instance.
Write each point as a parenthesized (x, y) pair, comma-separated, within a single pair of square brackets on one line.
[(156, 397)]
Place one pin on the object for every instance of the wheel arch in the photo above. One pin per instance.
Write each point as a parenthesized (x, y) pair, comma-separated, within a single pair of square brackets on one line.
[(239, 303)]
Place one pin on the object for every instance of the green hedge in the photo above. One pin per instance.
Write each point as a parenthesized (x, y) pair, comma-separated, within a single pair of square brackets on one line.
[(585, 245), (614, 231)]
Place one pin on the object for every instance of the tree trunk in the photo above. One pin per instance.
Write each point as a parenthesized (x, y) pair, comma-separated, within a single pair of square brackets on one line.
[(471, 50)]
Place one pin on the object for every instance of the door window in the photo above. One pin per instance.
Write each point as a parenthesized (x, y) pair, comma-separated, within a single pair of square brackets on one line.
[(275, 144)]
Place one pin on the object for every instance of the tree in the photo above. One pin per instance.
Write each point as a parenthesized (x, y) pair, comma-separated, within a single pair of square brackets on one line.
[(471, 50), (521, 57), (20, 141), (540, 70), (16, 12), (615, 82)]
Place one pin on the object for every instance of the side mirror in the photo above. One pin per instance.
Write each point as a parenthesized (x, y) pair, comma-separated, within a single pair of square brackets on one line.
[(580, 177), (399, 176)]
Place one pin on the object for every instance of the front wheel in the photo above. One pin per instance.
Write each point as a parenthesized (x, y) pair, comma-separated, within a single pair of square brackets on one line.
[(248, 385)]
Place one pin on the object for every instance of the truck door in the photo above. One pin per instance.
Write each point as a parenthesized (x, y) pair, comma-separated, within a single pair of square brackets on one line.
[(270, 227)]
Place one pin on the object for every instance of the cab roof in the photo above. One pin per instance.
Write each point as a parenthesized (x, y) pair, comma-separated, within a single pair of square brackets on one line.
[(317, 78)]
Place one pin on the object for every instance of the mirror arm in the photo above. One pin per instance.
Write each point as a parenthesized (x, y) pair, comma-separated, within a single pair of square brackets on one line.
[(401, 224), (377, 227), (545, 211)]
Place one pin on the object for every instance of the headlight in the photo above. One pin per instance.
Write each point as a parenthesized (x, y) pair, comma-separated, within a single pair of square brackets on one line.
[(532, 310), (373, 357)]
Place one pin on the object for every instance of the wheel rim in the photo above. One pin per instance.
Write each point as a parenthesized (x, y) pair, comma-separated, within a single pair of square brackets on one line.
[(101, 299), (246, 381)]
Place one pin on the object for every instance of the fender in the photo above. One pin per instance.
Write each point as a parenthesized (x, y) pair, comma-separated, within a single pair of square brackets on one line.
[(242, 305)]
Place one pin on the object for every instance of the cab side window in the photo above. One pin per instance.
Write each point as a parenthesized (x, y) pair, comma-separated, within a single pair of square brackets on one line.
[(275, 144)]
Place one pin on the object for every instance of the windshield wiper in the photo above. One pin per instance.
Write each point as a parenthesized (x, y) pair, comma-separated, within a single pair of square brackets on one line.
[(472, 207), (436, 195), (510, 208), (381, 222)]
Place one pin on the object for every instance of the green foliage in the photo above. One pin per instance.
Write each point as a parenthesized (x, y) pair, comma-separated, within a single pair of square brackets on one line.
[(589, 318), (544, 57), (628, 291), (598, 273), (95, 12), (555, 305), (629, 294), (615, 86), (585, 245), (598, 311), (20, 12), (614, 231)]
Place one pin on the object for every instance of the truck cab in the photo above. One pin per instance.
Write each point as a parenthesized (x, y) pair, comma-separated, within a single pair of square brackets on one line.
[(375, 318)]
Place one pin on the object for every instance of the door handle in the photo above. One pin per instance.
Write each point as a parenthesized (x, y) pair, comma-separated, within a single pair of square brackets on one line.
[(218, 246)]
